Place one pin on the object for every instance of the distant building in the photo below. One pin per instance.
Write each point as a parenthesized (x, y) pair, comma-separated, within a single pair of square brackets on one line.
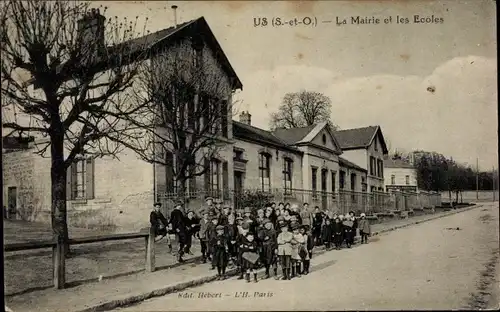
[(400, 175), (366, 148)]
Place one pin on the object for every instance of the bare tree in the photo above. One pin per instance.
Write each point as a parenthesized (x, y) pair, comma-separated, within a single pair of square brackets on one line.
[(77, 82), (184, 101), (302, 109)]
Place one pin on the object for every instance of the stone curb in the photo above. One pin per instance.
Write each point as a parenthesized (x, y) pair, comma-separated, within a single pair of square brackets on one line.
[(107, 306)]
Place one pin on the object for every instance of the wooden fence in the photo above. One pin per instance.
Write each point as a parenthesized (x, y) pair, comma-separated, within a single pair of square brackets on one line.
[(59, 260)]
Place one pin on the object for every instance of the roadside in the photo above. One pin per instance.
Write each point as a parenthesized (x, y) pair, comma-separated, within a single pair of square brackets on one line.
[(108, 294)]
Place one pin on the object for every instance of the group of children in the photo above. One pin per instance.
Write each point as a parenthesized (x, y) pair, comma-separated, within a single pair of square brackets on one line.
[(276, 235)]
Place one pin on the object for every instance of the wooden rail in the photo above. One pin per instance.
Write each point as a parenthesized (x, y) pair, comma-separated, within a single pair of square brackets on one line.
[(58, 258)]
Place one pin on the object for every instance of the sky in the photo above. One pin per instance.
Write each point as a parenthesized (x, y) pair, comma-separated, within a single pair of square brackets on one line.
[(374, 74)]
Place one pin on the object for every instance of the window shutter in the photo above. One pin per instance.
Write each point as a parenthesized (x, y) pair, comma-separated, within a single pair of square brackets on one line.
[(224, 117), (225, 176), (207, 175), (74, 181), (69, 183), (89, 179)]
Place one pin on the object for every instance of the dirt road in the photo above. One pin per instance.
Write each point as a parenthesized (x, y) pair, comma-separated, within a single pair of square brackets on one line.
[(448, 263)]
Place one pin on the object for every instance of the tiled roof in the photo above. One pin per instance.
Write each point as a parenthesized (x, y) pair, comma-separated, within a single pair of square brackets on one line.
[(345, 163), (353, 138), (397, 163), (244, 131), (293, 135)]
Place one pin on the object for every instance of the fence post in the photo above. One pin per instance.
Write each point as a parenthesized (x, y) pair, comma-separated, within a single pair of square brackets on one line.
[(150, 251), (59, 263)]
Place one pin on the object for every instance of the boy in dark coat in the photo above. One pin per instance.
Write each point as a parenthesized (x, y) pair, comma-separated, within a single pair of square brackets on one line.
[(211, 236), (327, 233), (239, 242), (267, 237), (220, 249), (158, 222), (338, 233), (232, 236), (177, 220), (348, 229), (192, 227), (309, 246), (317, 223), (249, 256), (205, 224)]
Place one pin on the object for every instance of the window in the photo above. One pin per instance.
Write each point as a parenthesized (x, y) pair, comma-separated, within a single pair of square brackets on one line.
[(324, 139), (341, 180), (353, 181), (314, 180), (265, 171), (215, 172), (407, 180), (393, 179), (80, 179), (237, 154), (380, 168), (375, 142), (287, 175), (372, 166), (333, 181), (198, 55)]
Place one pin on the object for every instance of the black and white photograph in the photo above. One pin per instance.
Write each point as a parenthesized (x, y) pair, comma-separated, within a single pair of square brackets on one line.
[(249, 155)]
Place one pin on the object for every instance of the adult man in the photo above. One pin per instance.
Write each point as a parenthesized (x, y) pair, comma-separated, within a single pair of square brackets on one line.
[(178, 226), (192, 224), (223, 216), (305, 214), (158, 222)]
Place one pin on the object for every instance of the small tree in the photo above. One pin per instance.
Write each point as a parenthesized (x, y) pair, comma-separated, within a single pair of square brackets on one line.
[(79, 78), (302, 109), (184, 107)]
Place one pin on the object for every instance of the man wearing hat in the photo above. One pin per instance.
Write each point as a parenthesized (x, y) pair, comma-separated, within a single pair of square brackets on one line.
[(223, 215), (179, 227), (306, 217), (158, 222)]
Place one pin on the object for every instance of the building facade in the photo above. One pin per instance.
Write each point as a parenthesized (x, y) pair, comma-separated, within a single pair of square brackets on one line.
[(400, 175)]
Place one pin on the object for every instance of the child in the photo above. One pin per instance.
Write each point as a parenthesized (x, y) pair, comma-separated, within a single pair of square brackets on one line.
[(158, 222), (269, 246), (220, 252), (240, 239), (249, 256), (205, 223), (354, 226), (338, 233), (327, 233), (364, 229), (192, 227), (348, 223), (232, 234), (297, 244), (211, 235), (307, 251), (285, 249)]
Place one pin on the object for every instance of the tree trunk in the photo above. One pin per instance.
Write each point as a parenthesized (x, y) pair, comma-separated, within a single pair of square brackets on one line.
[(58, 190)]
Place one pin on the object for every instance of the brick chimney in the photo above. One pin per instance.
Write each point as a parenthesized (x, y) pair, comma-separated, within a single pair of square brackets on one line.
[(246, 118), (90, 32)]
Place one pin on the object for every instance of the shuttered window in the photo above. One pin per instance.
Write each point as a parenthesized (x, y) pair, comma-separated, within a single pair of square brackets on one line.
[(80, 179)]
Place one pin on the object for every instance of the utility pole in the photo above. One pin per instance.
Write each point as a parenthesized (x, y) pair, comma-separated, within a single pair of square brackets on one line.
[(477, 178)]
